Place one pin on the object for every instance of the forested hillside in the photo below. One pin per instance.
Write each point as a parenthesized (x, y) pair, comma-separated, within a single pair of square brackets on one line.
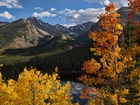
[(68, 62)]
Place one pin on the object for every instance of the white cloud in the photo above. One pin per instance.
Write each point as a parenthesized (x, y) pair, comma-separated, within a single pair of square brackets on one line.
[(6, 15), (68, 25), (119, 3), (10, 4), (52, 9), (89, 14), (38, 8), (106, 2), (43, 14), (66, 11), (82, 15), (76, 16)]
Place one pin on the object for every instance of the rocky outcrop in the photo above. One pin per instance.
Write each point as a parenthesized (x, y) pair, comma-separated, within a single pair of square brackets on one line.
[(20, 34)]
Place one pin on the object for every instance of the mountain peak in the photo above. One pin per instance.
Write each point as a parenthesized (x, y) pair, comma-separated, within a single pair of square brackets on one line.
[(22, 20), (31, 18)]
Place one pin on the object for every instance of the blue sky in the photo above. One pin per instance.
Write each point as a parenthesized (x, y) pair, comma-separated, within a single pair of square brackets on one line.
[(65, 12)]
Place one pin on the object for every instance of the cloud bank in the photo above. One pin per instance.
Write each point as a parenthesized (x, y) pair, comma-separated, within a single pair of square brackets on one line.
[(10, 4), (38, 8), (52, 9), (89, 14), (82, 15), (43, 14), (119, 3), (6, 15)]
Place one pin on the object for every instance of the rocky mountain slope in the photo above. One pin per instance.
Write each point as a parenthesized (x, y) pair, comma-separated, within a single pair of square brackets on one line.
[(123, 11), (31, 32), (72, 31), (3, 23), (20, 34), (25, 33)]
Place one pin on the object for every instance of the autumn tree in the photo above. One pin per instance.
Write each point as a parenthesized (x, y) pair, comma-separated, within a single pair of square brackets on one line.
[(35, 88), (109, 73), (132, 74)]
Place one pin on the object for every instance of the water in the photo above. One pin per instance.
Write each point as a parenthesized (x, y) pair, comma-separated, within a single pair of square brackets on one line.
[(76, 89)]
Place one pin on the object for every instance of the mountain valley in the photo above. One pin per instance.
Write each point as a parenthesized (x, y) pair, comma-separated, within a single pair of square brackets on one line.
[(32, 42)]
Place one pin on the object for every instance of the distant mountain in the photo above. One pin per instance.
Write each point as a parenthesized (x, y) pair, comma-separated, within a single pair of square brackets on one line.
[(84, 36), (55, 44), (61, 41), (20, 34), (43, 26), (123, 11), (3, 23), (31, 32), (79, 29), (72, 31), (61, 29)]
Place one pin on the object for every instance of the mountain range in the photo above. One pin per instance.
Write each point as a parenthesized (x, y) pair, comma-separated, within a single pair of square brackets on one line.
[(34, 33), (24, 33)]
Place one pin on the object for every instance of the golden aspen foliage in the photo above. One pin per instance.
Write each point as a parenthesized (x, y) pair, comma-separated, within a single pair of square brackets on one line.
[(116, 65), (106, 45), (35, 88)]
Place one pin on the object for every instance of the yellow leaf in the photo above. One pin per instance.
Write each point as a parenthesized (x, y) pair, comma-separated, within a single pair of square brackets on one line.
[(123, 100)]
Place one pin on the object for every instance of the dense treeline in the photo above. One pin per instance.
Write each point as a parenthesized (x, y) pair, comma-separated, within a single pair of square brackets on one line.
[(68, 62)]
